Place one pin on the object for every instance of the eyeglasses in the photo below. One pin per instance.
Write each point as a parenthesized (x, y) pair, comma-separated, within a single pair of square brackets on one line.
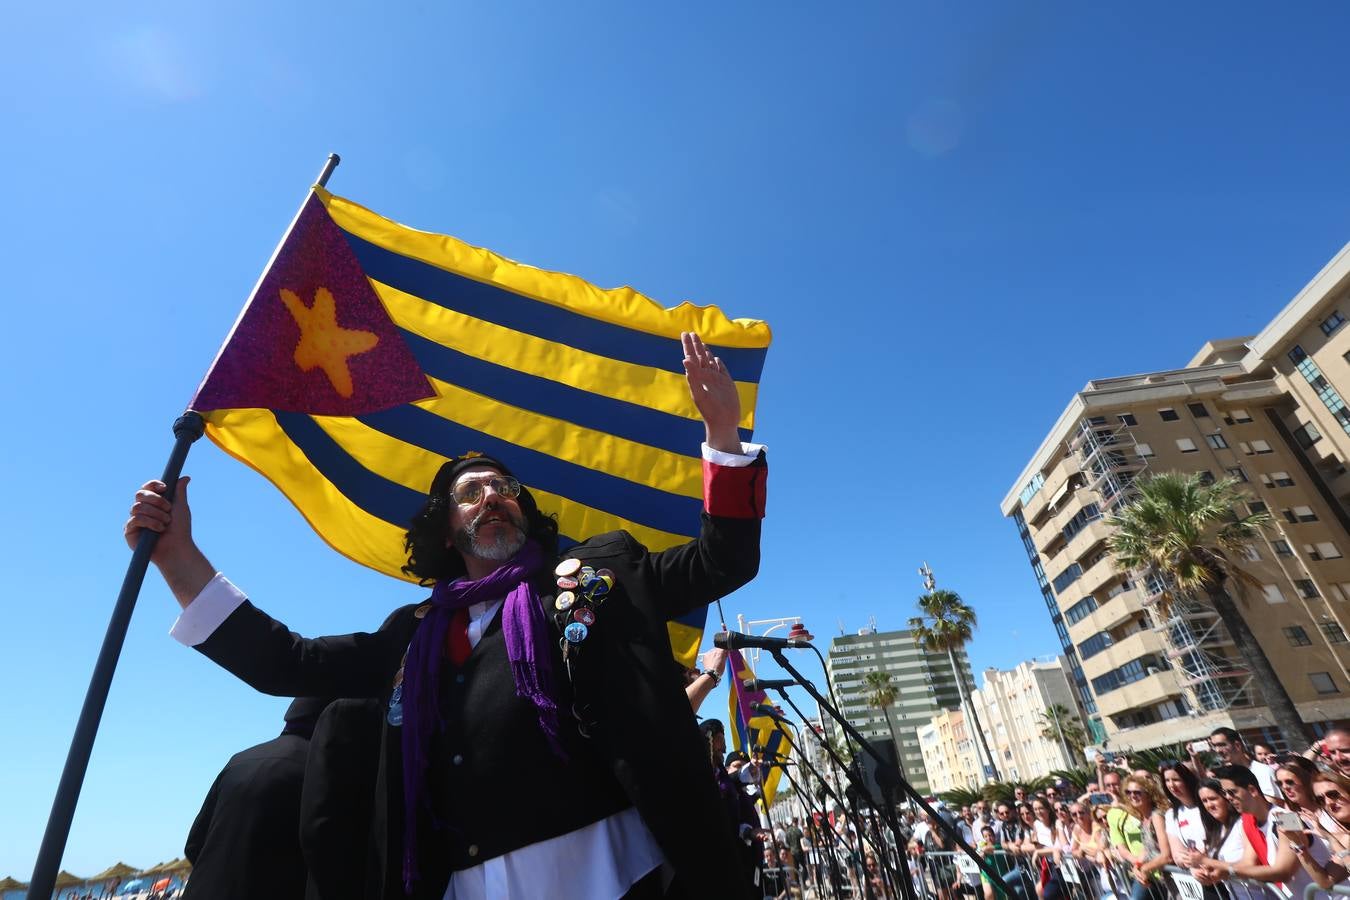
[(467, 493), (1330, 797), (1286, 782), (1135, 793), (1232, 793)]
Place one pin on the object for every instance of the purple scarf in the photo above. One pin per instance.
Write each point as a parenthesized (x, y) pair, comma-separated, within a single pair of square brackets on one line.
[(527, 646)]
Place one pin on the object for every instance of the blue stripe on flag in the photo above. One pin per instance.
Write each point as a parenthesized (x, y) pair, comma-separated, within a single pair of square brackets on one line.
[(372, 493), (598, 490), (560, 401), (552, 323)]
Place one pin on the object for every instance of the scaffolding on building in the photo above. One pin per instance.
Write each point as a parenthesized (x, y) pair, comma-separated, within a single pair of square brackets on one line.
[(1210, 680)]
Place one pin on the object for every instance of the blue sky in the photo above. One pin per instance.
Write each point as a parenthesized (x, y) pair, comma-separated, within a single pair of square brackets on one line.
[(952, 215)]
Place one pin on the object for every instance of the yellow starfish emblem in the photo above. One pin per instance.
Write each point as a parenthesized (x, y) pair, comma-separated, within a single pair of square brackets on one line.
[(324, 344)]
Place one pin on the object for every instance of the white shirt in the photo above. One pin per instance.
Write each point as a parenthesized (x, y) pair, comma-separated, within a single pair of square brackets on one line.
[(1265, 776), (1184, 824), (599, 861)]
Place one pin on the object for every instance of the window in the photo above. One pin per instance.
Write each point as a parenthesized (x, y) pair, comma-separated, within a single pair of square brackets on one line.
[(1335, 634), (1261, 447), (1216, 441), (1251, 553), (1296, 354), (1256, 506), (1198, 410), (1186, 445), (1087, 514), (1282, 547), (1238, 417), (1169, 414), (1281, 479), (1127, 419), (1323, 683), (1096, 420), (1207, 478), (1306, 589), (1067, 577), (1328, 550), (1307, 435), (1273, 593), (1237, 472), (1304, 514), (1094, 645), (1332, 322), (1144, 450), (1297, 636), (1080, 610)]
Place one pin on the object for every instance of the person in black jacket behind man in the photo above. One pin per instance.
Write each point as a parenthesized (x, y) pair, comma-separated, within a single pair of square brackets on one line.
[(508, 769), (245, 841)]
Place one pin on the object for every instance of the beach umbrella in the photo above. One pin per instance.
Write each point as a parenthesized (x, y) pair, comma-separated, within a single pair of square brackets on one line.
[(9, 883), (155, 869), (161, 884), (132, 885), (178, 865), (118, 869), (65, 879)]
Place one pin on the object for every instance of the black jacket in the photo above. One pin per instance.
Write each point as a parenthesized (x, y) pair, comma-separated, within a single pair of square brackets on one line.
[(245, 840), (645, 749)]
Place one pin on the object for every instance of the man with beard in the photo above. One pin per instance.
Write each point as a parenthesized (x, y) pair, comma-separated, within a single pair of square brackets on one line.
[(508, 768)]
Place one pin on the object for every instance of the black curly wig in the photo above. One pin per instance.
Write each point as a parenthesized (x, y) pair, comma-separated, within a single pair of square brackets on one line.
[(431, 557)]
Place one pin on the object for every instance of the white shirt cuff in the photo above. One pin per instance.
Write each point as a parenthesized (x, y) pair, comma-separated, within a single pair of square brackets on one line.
[(749, 453), (203, 615)]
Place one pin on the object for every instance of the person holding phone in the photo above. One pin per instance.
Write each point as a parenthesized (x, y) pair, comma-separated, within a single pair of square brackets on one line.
[(1332, 792), (1187, 821), (1270, 837)]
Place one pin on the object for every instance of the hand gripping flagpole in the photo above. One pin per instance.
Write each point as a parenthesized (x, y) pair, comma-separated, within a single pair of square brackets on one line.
[(187, 428)]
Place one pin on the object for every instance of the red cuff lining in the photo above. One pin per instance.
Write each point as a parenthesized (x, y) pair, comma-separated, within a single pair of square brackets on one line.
[(735, 492)]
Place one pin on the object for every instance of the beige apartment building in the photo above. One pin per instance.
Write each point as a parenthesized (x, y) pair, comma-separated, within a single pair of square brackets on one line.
[(1266, 410), (1010, 705), (949, 754)]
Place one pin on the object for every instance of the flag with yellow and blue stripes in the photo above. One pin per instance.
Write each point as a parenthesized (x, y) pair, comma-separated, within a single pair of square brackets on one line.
[(370, 353)]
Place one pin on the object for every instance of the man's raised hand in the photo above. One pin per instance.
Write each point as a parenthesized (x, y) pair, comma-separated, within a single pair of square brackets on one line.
[(714, 393)]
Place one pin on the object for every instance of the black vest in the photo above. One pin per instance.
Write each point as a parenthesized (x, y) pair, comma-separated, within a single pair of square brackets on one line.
[(495, 784)]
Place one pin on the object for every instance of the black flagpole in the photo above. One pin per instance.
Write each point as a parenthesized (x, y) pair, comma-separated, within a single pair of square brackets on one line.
[(186, 430)]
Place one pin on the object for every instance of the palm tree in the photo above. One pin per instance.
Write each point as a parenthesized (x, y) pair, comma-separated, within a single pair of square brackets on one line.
[(1062, 725), (946, 624), (881, 695), (1187, 533)]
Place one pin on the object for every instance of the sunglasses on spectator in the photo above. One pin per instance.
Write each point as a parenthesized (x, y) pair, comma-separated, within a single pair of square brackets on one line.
[(1287, 782), (1332, 796), (1135, 793)]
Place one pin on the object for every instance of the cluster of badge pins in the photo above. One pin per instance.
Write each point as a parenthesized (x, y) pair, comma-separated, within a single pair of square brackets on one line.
[(581, 590)]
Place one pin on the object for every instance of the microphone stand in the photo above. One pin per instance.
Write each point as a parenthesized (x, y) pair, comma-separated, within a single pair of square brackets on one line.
[(862, 832), (806, 812), (894, 771)]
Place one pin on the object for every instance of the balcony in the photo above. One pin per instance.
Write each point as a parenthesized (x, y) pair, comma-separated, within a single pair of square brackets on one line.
[(1091, 534), (1065, 469), (1147, 692), (1106, 616), (1122, 651), (1052, 532)]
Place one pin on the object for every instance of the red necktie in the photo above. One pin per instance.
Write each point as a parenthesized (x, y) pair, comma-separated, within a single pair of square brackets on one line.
[(457, 640)]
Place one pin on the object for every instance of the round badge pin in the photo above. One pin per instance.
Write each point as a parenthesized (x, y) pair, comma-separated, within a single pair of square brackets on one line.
[(565, 600), (575, 632), (584, 616), (606, 573), (395, 716), (599, 585), (421, 611), (567, 584), (567, 567)]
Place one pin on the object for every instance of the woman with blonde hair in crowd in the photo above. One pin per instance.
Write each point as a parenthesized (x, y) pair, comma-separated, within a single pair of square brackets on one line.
[(1146, 848), (1332, 792)]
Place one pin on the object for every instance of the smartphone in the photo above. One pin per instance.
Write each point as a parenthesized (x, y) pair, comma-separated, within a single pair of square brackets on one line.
[(1286, 819), (1103, 799), (1199, 746)]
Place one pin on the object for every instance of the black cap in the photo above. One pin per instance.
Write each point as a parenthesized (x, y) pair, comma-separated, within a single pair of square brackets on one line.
[(735, 756)]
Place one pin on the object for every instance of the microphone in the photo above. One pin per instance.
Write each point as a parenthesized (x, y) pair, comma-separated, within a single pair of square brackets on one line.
[(735, 640), (764, 709), (765, 684)]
